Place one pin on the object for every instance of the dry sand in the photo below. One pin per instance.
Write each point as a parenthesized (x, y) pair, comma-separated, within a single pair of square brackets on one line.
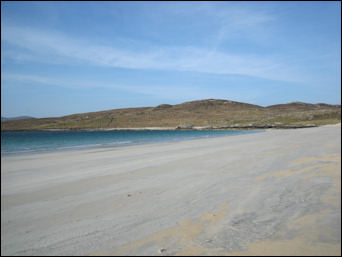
[(271, 193)]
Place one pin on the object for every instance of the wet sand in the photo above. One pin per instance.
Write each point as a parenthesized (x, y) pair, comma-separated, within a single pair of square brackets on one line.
[(271, 193)]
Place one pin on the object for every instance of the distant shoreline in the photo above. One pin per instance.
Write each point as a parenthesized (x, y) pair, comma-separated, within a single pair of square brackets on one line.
[(176, 128)]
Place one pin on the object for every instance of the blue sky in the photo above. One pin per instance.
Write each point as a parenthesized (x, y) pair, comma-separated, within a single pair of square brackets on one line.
[(60, 58)]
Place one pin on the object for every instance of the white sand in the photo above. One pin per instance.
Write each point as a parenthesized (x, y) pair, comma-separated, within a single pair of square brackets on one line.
[(271, 193)]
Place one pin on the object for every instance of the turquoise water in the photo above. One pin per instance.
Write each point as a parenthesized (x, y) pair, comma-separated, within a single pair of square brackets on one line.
[(21, 142)]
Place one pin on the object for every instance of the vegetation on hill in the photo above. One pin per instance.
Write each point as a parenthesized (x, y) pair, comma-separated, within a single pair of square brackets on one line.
[(209, 113), (16, 118)]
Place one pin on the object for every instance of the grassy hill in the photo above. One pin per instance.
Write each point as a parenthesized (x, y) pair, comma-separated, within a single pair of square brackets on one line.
[(16, 118), (209, 113)]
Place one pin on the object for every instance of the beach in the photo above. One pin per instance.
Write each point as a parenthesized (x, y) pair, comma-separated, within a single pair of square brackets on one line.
[(271, 193)]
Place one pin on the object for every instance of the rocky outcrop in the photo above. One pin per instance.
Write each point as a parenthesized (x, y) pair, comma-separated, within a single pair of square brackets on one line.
[(185, 126)]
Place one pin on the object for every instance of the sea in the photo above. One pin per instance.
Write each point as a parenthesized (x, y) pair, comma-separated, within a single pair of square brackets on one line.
[(28, 142)]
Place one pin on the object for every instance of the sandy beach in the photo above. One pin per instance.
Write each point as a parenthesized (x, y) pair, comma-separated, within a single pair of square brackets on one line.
[(272, 193)]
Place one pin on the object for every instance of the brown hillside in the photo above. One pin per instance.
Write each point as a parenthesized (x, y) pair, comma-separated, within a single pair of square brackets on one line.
[(204, 113)]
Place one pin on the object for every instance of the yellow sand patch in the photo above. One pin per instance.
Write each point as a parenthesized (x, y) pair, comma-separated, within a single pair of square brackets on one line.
[(325, 169), (185, 233), (332, 170), (328, 157), (295, 247), (304, 244), (286, 173), (193, 250)]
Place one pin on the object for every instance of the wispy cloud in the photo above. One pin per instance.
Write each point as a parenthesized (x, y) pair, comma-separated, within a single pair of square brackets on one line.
[(168, 92), (227, 19), (55, 47), (62, 82), (161, 91)]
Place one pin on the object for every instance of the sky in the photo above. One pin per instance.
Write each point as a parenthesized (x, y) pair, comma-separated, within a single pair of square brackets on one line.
[(61, 58)]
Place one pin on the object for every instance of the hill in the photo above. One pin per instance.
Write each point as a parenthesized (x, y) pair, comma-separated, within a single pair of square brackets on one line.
[(16, 118), (208, 113)]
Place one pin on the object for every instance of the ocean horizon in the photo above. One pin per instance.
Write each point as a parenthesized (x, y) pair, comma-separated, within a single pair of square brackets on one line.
[(28, 142)]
